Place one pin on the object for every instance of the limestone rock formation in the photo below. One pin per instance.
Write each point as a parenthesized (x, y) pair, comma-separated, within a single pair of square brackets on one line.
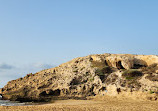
[(92, 75)]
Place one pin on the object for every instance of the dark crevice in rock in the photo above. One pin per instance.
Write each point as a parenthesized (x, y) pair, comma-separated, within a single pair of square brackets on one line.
[(55, 92), (50, 92), (119, 65)]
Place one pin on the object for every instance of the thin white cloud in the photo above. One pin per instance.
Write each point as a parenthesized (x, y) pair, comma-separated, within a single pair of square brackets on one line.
[(4, 66), (43, 66), (10, 72)]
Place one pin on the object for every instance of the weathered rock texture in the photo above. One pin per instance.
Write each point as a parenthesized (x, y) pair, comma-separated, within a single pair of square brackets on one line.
[(98, 74)]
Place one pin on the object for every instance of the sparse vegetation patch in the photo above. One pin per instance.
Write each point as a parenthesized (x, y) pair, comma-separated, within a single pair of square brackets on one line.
[(150, 69), (129, 74), (152, 77)]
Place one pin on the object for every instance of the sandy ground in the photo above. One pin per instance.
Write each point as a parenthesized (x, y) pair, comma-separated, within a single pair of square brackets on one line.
[(96, 104)]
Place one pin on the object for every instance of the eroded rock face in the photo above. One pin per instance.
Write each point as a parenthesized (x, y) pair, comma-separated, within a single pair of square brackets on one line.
[(120, 62), (82, 77)]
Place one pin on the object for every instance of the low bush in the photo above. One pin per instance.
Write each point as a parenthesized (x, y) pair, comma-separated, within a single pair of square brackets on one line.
[(151, 92), (131, 73), (102, 73), (129, 78), (152, 77), (151, 68)]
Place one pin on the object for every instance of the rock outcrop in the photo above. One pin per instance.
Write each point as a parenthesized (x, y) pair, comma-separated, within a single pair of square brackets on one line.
[(92, 75)]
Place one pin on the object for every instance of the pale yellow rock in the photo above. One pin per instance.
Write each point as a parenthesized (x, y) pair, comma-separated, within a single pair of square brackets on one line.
[(119, 61), (112, 90), (80, 77)]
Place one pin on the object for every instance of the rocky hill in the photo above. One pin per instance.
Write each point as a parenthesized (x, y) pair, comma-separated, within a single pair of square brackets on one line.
[(100, 74)]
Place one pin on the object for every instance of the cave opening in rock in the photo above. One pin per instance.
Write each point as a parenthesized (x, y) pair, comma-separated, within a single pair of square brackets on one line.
[(119, 65), (91, 59), (106, 63), (43, 93), (55, 92), (52, 93)]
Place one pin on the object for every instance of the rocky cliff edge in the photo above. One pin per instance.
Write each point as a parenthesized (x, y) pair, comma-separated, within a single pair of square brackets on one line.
[(100, 74)]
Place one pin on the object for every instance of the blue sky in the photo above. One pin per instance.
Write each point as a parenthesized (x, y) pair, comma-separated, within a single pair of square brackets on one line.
[(39, 34)]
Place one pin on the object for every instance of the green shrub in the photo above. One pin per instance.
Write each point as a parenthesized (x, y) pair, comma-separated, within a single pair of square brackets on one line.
[(99, 72), (132, 73), (103, 71), (129, 78), (152, 77), (151, 68), (145, 90), (75, 71), (91, 79), (82, 68), (87, 73), (151, 92)]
